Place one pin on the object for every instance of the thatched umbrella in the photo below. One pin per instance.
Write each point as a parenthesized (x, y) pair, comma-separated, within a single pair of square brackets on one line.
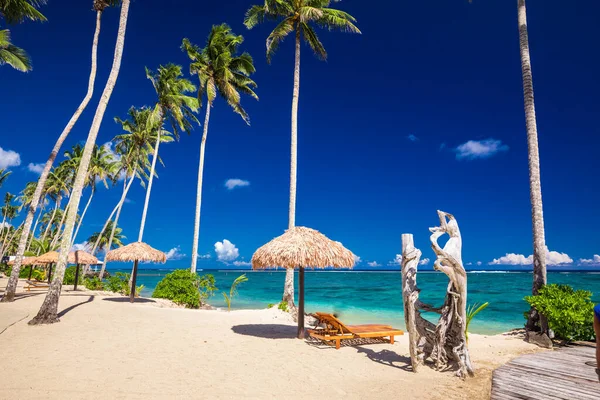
[(31, 261), (79, 257), (49, 259), (135, 252), (301, 248)]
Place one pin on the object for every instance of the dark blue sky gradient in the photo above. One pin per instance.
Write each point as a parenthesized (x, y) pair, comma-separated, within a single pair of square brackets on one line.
[(447, 73)]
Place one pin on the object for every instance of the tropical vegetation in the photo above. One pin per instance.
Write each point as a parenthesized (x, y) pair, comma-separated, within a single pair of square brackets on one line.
[(185, 288)]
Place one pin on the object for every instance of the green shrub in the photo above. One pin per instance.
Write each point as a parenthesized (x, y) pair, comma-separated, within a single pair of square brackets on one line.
[(69, 278), (37, 274), (283, 306), (185, 288), (569, 312), (93, 283), (119, 283)]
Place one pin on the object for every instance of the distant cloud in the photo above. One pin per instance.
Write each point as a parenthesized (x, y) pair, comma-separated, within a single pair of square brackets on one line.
[(424, 261), (373, 264), (479, 263), (36, 168), (357, 259), (109, 149), (552, 258), (9, 158), (129, 201), (203, 256), (397, 260), (474, 149), (175, 254), (442, 146), (241, 263), (412, 138), (594, 261), (226, 251), (231, 184), (85, 246)]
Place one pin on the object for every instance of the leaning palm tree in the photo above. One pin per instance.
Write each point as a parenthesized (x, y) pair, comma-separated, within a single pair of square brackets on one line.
[(105, 241), (48, 310), (297, 16), (535, 185), (221, 70), (4, 174), (173, 105), (9, 212), (12, 55), (30, 12)]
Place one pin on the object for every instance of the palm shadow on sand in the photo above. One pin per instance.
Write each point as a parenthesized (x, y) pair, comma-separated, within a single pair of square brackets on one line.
[(266, 331), (70, 308), (126, 300)]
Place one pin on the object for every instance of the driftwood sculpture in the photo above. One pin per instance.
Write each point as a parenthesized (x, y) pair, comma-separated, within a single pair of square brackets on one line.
[(445, 343)]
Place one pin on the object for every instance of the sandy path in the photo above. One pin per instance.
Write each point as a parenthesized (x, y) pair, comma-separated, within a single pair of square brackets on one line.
[(106, 348)]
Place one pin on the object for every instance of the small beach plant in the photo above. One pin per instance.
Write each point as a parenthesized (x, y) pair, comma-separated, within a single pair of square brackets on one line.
[(185, 288), (472, 311), (569, 312), (93, 283), (233, 291), (69, 278)]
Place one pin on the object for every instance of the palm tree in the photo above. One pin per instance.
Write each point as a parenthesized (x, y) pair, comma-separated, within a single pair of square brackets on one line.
[(105, 242), (16, 11), (48, 310), (535, 186), (9, 212), (56, 188), (297, 17), (3, 176), (221, 70), (99, 6), (174, 105)]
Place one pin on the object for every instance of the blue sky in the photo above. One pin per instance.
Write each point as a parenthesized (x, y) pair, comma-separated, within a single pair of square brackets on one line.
[(423, 111)]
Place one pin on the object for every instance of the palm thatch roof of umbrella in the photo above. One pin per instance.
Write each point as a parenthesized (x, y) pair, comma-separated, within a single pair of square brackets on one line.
[(50, 257), (81, 257), (25, 261), (302, 247), (137, 251)]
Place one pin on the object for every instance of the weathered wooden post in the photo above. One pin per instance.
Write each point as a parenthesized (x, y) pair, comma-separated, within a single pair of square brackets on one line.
[(410, 295)]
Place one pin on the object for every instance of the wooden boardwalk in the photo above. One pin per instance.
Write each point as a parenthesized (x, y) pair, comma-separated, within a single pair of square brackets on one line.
[(567, 373)]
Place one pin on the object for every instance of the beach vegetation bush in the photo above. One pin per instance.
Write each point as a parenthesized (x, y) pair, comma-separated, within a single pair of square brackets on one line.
[(569, 312), (37, 274), (93, 283), (283, 306), (185, 288), (233, 290), (69, 278), (119, 283)]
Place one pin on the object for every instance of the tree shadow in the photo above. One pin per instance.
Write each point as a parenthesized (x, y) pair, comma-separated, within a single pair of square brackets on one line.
[(266, 331), (126, 300), (21, 296), (388, 358), (68, 309)]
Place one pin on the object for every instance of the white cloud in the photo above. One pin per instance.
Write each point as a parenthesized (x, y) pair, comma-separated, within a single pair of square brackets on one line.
[(242, 263), (235, 182), (357, 259), (592, 262), (552, 258), (36, 168), (9, 158), (4, 225), (85, 246), (424, 261), (397, 260), (175, 254), (479, 263), (474, 149), (129, 201), (412, 138), (373, 264), (226, 251), (109, 149), (203, 256)]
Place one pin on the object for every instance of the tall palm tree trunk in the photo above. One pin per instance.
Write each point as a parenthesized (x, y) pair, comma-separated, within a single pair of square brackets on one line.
[(114, 227), (48, 311), (2, 229), (149, 188), (537, 214), (57, 235), (11, 288), (58, 201), (82, 216), (37, 220), (199, 190), (288, 290), (7, 243)]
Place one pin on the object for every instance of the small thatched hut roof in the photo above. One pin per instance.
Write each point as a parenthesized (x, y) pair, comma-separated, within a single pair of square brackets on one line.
[(302, 247), (26, 261), (50, 257), (137, 251), (81, 257)]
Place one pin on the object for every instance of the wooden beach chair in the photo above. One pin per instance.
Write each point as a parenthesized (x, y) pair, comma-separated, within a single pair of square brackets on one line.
[(334, 330), (36, 285)]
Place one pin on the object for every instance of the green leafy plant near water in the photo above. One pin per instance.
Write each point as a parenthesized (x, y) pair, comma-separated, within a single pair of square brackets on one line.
[(569, 311), (69, 278), (472, 311), (93, 283), (283, 306), (119, 283), (233, 291), (185, 288)]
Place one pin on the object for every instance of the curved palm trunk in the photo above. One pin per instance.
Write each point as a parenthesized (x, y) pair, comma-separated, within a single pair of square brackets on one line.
[(149, 188), (14, 277), (37, 220), (48, 311), (2, 228), (199, 190), (57, 235), (82, 216), (114, 227), (288, 290), (58, 201), (537, 215), (7, 243)]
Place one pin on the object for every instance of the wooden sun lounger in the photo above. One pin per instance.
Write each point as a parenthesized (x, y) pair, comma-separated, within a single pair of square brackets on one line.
[(36, 285), (336, 331)]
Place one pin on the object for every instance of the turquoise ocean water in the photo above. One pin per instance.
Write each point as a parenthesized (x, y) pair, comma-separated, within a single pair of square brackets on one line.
[(376, 297)]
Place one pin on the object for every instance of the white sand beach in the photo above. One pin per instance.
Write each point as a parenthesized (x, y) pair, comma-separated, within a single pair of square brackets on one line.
[(105, 347)]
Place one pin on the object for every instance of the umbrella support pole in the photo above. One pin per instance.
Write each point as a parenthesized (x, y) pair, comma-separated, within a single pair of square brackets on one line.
[(76, 276), (301, 303), (133, 279), (49, 273), (30, 272)]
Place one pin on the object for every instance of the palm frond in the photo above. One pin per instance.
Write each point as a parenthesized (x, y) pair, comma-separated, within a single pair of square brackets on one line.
[(279, 33), (313, 41)]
